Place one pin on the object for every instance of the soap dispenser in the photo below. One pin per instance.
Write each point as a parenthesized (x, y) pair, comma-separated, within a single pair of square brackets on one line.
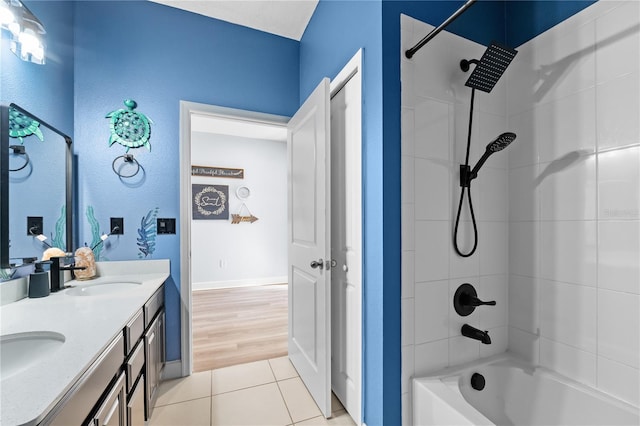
[(39, 281)]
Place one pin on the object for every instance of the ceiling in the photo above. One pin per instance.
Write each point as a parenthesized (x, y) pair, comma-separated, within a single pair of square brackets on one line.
[(286, 18)]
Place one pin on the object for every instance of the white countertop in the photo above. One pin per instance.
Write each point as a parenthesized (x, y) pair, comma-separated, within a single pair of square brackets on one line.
[(89, 324)]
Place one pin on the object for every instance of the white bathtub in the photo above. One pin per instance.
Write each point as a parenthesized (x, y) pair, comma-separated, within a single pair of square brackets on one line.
[(515, 393)]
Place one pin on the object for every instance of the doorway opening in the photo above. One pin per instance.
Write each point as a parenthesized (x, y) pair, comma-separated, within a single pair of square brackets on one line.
[(342, 330), (238, 241)]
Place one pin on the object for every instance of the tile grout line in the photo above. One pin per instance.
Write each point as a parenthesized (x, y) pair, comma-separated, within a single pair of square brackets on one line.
[(280, 391)]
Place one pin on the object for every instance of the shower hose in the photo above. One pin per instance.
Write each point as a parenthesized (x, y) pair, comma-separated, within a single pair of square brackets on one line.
[(467, 189)]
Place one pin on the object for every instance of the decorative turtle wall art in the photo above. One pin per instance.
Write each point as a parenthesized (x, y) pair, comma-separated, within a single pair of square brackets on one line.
[(21, 126), (130, 128)]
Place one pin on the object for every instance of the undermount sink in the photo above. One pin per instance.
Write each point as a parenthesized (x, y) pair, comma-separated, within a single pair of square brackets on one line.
[(102, 288), (20, 351)]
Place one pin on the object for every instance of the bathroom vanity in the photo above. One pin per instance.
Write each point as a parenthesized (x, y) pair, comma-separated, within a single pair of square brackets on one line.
[(89, 354)]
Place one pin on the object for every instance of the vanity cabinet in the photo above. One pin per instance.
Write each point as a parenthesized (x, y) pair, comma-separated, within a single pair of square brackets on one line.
[(120, 387), (154, 349)]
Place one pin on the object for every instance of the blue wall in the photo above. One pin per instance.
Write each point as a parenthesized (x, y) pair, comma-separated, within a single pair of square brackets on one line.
[(159, 55)]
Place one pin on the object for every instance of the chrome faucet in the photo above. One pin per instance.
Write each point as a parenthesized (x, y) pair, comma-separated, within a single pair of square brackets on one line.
[(57, 271), (474, 333)]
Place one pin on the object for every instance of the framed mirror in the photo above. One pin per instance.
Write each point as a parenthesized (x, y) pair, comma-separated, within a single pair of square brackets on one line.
[(35, 187)]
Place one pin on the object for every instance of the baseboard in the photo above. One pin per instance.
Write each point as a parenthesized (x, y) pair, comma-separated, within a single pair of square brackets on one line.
[(211, 285), (172, 370)]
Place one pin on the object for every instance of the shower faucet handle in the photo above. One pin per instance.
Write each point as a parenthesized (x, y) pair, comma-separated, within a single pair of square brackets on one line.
[(465, 300)]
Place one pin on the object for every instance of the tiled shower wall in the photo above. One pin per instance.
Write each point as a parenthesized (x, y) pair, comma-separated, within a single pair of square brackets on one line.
[(574, 199), (435, 114), (558, 211)]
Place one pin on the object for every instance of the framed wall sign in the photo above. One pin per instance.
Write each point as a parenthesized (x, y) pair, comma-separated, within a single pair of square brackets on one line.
[(210, 202), (217, 172)]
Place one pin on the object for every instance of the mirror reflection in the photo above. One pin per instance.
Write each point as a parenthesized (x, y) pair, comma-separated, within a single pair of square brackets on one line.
[(36, 201)]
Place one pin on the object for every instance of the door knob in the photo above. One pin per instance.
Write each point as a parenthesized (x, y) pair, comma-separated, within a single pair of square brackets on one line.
[(317, 263)]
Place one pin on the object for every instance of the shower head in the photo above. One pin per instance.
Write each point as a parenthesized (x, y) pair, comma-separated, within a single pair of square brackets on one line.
[(500, 143), (489, 68)]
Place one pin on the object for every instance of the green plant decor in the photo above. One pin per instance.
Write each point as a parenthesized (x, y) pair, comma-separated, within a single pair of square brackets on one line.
[(58, 239), (147, 234), (95, 233), (21, 126), (130, 128)]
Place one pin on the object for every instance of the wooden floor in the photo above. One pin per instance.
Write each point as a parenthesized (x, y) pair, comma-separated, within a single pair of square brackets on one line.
[(238, 325)]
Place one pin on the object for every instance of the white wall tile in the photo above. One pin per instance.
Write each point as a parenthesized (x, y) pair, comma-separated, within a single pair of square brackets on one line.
[(619, 327), (492, 247), (568, 314), (493, 287), (492, 186), (407, 321), (567, 360), (430, 357), (523, 193), (408, 273), (524, 305), (618, 37), (566, 64), (463, 349), (432, 189), (568, 188), (566, 127), (619, 380), (499, 341), (524, 242), (408, 132), (524, 344), (464, 266), (619, 256), (408, 226), (431, 311), (407, 368), (568, 251), (432, 261), (432, 129), (619, 184), (407, 189), (617, 111), (407, 414)]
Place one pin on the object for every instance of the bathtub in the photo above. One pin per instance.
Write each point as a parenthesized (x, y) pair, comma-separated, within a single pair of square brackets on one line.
[(515, 393)]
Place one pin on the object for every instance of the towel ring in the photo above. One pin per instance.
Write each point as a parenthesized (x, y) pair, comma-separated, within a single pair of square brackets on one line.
[(20, 150), (128, 158)]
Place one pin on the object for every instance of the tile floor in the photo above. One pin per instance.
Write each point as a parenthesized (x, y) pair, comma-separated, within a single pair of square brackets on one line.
[(259, 393)]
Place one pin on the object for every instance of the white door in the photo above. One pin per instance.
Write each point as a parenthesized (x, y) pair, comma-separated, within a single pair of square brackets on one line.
[(346, 238), (309, 176)]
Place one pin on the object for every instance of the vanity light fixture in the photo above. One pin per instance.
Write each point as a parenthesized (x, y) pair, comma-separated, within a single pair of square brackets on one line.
[(25, 31)]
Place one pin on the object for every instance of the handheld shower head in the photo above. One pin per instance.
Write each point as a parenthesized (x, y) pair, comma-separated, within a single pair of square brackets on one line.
[(500, 143)]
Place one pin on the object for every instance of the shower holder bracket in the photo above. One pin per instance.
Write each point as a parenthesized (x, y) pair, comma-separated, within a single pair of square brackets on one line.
[(465, 176)]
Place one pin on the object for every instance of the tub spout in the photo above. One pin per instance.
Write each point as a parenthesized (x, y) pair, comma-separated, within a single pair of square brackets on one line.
[(474, 333)]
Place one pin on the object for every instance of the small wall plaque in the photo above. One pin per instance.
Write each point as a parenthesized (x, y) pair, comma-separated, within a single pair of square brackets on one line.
[(217, 172), (210, 202)]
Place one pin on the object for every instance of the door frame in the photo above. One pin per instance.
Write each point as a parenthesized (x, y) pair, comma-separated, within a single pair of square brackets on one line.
[(187, 109)]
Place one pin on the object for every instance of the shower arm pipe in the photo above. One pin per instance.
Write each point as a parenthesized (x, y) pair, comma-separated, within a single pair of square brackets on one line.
[(409, 53)]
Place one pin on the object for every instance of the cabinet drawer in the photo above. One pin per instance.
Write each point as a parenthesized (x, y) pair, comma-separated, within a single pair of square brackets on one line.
[(152, 306), (112, 411), (135, 406), (77, 404), (134, 365), (133, 331)]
